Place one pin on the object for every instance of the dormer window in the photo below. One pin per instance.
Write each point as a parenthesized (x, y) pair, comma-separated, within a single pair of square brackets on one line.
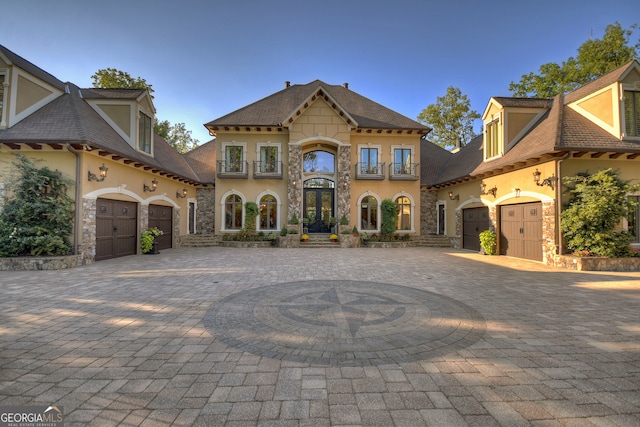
[(632, 113), (492, 140), (145, 128)]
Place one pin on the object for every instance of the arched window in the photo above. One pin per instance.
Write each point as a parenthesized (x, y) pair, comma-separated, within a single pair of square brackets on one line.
[(319, 162), (268, 212), (369, 213), (233, 212), (404, 213)]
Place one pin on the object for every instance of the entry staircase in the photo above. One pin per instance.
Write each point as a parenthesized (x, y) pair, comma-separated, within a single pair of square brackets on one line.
[(319, 240), (434, 241), (200, 240)]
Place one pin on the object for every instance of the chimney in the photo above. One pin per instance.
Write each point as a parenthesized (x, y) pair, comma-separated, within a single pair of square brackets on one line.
[(346, 85), (287, 84)]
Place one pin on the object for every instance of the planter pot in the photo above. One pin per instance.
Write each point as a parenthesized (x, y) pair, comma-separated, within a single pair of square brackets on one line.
[(154, 249)]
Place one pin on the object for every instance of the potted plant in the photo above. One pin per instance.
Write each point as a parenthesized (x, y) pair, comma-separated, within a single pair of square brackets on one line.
[(148, 242), (355, 231), (304, 237), (488, 242), (333, 237)]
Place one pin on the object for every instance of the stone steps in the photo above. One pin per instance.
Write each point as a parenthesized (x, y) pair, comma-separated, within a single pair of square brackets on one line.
[(199, 240), (434, 241), (319, 241)]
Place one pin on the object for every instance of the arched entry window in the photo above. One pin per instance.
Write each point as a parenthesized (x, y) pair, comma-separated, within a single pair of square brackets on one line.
[(319, 162), (404, 213), (369, 213), (233, 212), (268, 212)]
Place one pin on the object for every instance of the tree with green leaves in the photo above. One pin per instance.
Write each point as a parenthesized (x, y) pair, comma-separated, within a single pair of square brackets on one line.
[(38, 218), (389, 211), (590, 221), (450, 118), (595, 58), (176, 135)]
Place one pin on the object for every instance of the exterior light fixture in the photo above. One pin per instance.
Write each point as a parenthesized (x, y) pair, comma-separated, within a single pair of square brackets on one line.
[(103, 174), (452, 197), (492, 191), (154, 186), (550, 181), (181, 195)]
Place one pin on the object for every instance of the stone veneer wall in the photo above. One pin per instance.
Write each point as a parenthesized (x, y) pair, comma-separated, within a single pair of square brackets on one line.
[(40, 263), (294, 192), (206, 210), (549, 244), (343, 189), (176, 228), (87, 245), (428, 212)]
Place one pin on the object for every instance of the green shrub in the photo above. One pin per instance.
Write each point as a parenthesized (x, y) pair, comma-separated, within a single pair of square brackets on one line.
[(488, 241), (389, 217)]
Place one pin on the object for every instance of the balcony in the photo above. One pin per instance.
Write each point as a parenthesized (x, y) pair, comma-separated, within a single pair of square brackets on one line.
[(404, 171), (232, 170), (267, 170), (369, 171)]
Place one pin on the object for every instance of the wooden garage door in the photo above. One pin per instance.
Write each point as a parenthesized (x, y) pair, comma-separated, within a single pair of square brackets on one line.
[(162, 218), (521, 231), (116, 223), (475, 220)]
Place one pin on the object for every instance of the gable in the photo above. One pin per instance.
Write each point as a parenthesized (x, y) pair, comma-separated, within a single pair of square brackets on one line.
[(601, 107), (119, 115), (319, 119), (27, 94)]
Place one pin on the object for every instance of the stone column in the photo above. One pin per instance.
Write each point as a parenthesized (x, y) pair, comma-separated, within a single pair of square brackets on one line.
[(206, 210), (428, 212), (549, 243), (343, 189), (294, 192), (87, 246)]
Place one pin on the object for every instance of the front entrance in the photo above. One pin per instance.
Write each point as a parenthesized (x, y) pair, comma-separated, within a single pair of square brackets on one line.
[(318, 208)]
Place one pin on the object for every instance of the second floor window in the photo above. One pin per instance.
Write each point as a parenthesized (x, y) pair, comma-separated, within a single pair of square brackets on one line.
[(144, 133), (632, 113), (268, 159), (402, 161), (369, 160), (492, 140), (233, 157)]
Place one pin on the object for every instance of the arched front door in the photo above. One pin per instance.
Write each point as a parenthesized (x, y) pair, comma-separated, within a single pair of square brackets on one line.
[(318, 204)]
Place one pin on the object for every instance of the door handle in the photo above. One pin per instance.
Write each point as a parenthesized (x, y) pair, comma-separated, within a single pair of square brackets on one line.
[(115, 228)]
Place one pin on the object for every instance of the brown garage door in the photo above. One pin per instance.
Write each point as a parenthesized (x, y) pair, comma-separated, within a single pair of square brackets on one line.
[(116, 223), (475, 220), (521, 231), (161, 217)]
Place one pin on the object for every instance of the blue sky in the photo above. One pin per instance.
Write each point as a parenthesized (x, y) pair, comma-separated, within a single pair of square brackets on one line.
[(207, 58)]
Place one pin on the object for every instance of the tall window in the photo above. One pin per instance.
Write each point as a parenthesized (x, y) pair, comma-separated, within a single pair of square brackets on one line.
[(233, 212), (268, 212), (144, 133), (492, 139), (233, 156), (632, 112), (369, 213), (369, 160), (318, 162), (268, 159), (404, 213), (634, 220), (402, 161), (2, 77)]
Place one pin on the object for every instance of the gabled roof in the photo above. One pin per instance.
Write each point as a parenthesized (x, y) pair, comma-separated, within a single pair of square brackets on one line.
[(27, 66), (275, 110), (558, 131), (99, 93)]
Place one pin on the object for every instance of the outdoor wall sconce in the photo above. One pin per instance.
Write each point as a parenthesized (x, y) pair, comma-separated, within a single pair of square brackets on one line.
[(103, 174), (181, 195), (154, 186), (550, 181), (492, 191), (452, 197)]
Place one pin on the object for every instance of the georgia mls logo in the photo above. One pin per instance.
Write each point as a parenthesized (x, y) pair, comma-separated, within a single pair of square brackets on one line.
[(31, 416)]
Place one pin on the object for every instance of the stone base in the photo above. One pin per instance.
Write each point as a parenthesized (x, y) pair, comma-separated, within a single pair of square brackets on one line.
[(596, 263), (289, 241), (40, 263)]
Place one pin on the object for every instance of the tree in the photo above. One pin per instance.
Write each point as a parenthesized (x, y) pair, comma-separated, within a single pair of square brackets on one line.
[(37, 219), (450, 118), (595, 58), (389, 211), (176, 135), (597, 205), (111, 78)]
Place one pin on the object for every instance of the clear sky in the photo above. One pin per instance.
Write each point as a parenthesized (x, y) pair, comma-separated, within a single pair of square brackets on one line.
[(207, 58)]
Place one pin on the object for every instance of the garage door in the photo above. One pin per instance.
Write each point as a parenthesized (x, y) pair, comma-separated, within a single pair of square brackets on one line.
[(521, 231), (161, 217), (475, 220), (116, 223)]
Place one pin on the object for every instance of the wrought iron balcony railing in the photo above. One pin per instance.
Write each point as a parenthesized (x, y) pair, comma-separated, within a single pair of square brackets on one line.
[(234, 169), (370, 171)]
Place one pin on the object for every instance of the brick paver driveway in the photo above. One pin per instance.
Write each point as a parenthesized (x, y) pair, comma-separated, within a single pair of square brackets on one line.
[(284, 337)]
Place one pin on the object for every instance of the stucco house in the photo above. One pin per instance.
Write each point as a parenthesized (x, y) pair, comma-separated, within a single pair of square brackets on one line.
[(510, 177), (319, 152)]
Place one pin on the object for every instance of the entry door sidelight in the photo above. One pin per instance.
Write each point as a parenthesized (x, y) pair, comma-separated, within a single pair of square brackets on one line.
[(318, 208)]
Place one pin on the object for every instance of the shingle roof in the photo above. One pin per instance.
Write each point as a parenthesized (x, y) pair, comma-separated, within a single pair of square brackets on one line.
[(27, 66), (99, 93), (274, 109)]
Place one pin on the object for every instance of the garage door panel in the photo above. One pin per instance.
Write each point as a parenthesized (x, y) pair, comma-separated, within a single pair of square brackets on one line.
[(521, 231), (116, 228), (475, 220), (161, 217)]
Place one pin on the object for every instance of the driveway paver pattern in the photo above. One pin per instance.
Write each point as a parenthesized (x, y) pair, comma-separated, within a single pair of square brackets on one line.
[(230, 337)]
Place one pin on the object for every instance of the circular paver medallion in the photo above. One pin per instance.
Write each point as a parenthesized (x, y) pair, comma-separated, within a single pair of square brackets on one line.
[(348, 323)]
